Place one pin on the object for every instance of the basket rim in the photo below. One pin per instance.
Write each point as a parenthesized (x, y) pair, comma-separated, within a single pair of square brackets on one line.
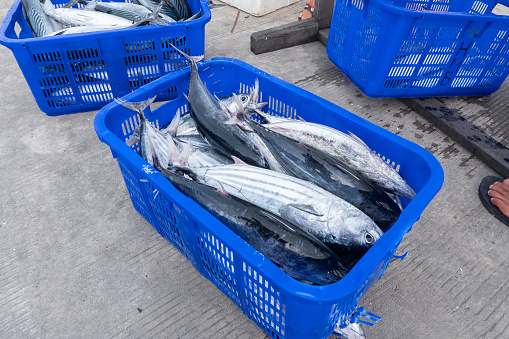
[(489, 17), (63, 39)]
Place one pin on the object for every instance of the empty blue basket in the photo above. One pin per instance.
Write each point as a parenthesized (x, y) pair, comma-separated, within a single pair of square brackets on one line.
[(280, 305), (420, 48), (83, 72)]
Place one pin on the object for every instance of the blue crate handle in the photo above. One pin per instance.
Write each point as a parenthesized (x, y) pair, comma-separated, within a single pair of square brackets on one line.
[(8, 25), (400, 257)]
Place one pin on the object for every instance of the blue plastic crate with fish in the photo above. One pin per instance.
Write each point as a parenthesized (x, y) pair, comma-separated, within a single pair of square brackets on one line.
[(421, 48), (83, 72), (282, 306)]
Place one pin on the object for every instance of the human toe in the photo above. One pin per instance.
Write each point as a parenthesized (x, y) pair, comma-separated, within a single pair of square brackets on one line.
[(502, 205), (500, 187), (493, 193)]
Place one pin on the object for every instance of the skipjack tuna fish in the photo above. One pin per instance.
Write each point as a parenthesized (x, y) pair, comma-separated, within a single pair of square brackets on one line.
[(297, 253), (46, 20), (348, 148)]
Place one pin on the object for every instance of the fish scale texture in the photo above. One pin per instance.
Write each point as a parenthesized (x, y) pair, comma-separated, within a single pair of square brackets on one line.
[(78, 261)]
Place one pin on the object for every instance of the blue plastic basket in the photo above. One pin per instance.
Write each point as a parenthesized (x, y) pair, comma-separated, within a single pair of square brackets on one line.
[(83, 72), (420, 48), (280, 305)]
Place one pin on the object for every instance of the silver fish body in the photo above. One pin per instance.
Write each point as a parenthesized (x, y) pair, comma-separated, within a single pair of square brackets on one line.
[(296, 252), (348, 149), (310, 207), (180, 8), (84, 29), (308, 163), (129, 11), (40, 23), (77, 17)]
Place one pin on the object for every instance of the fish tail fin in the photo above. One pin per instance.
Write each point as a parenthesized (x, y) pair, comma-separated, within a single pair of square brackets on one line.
[(134, 138), (192, 60), (138, 107)]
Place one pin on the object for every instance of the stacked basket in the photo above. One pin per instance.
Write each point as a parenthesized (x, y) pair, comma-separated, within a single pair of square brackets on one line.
[(83, 72), (420, 48)]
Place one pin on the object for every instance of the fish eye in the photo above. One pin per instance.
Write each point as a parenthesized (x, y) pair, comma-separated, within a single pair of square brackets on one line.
[(243, 98), (370, 239)]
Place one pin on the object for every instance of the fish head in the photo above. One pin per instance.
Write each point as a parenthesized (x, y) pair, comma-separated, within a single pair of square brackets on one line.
[(351, 228)]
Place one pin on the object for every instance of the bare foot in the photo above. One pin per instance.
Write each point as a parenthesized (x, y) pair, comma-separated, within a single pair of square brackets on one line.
[(305, 14), (499, 193)]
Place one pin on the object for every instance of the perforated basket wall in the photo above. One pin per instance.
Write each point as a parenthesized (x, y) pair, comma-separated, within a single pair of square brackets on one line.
[(280, 305), (83, 72), (416, 48)]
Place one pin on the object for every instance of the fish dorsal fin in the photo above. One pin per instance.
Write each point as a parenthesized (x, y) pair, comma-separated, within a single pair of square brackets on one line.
[(91, 5), (359, 140), (174, 124), (306, 208)]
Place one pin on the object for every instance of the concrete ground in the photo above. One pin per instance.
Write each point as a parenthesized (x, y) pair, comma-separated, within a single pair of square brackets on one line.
[(77, 260)]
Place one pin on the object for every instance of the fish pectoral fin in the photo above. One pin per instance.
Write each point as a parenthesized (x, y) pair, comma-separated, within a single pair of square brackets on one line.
[(221, 190), (306, 208), (279, 220)]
